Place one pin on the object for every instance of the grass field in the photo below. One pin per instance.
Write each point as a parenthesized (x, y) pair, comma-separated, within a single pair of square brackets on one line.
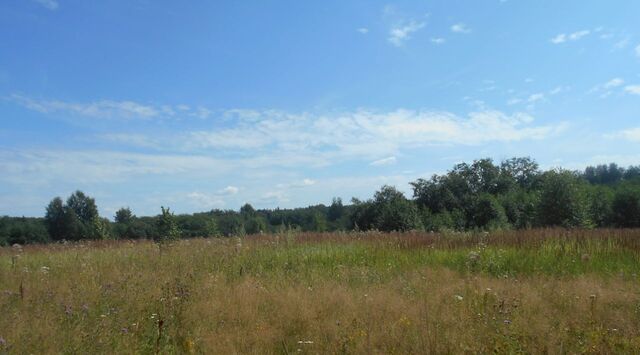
[(553, 291)]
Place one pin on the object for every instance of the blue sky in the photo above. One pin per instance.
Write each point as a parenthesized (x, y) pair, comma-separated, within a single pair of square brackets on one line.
[(210, 104)]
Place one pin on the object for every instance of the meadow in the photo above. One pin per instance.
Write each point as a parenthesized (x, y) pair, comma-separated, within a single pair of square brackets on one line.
[(530, 291)]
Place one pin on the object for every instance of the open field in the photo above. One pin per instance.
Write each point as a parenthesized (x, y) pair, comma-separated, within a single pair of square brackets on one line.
[(554, 291)]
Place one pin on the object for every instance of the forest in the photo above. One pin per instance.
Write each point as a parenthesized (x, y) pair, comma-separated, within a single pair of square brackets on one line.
[(482, 195)]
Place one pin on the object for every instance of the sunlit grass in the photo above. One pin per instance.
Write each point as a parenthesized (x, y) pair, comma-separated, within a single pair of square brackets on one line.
[(556, 291)]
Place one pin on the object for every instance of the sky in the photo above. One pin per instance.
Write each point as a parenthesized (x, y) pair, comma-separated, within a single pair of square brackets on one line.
[(204, 105)]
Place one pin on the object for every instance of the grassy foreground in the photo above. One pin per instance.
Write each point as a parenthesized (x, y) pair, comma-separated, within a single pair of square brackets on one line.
[(551, 291)]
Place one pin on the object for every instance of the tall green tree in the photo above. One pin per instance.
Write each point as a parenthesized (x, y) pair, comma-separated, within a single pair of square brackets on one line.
[(124, 215), (83, 206), (562, 200), (389, 211), (167, 226), (56, 219)]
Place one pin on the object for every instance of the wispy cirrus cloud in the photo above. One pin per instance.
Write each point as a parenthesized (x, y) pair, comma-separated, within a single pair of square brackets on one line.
[(368, 133), (270, 139), (398, 35), (108, 109), (565, 37), (629, 134), (606, 89), (384, 161), (49, 4)]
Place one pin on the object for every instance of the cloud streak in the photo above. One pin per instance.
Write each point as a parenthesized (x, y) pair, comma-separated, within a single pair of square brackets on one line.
[(398, 35), (564, 37), (109, 109), (49, 4)]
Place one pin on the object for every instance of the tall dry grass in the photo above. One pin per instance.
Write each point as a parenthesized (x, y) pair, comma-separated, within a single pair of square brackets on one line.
[(550, 291)]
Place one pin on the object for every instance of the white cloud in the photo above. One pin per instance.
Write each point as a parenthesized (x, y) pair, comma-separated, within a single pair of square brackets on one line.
[(363, 30), (98, 109), (303, 183), (49, 4), (138, 140), (563, 37), (274, 197), (229, 190), (613, 83), (109, 109), (400, 34), (460, 28), (204, 200), (384, 161), (50, 166), (535, 97), (631, 134), (363, 133), (632, 89), (607, 88), (438, 40), (622, 44), (261, 143)]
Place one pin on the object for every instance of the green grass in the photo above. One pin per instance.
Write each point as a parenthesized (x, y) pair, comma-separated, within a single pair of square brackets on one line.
[(507, 292)]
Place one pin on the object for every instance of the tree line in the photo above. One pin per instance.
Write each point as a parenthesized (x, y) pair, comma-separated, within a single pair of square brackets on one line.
[(483, 195)]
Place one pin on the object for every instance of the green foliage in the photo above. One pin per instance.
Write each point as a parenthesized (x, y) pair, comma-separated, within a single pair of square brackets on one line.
[(488, 213), (124, 215), (626, 208), (255, 224), (523, 171), (604, 174), (77, 219), (600, 200), (479, 195), (247, 210), (56, 219), (562, 201), (336, 210), (100, 228), (22, 230), (84, 207), (388, 211), (167, 227), (520, 207)]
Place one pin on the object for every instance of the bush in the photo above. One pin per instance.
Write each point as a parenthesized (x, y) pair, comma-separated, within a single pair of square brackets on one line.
[(626, 208)]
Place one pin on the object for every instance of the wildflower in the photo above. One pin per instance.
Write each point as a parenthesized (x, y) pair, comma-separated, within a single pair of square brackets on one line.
[(68, 310), (103, 316), (2, 342), (506, 321), (45, 269), (124, 330), (459, 298), (305, 342)]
